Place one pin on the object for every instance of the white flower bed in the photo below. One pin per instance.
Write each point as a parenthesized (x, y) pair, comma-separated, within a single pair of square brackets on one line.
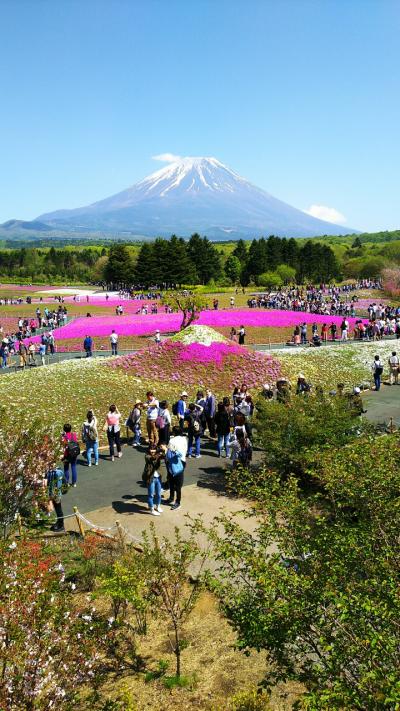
[(199, 334)]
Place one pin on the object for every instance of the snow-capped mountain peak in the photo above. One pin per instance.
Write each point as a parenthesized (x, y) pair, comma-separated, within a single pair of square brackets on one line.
[(192, 173), (193, 194)]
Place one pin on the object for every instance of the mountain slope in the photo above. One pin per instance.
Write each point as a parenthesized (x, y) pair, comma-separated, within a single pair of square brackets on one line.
[(194, 195)]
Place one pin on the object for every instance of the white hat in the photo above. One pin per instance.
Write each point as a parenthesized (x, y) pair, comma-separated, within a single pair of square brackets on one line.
[(158, 330), (301, 376), (267, 386), (357, 390), (184, 394), (138, 402)]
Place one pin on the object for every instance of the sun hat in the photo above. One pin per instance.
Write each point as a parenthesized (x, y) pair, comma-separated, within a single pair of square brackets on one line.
[(184, 393), (138, 402), (301, 376), (357, 390)]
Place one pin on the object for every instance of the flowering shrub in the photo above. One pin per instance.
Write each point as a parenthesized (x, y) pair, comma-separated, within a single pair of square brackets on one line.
[(27, 452), (48, 645), (140, 325), (189, 365), (391, 281)]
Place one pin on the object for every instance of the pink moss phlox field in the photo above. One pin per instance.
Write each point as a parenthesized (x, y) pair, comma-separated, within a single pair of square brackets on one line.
[(189, 365), (142, 325)]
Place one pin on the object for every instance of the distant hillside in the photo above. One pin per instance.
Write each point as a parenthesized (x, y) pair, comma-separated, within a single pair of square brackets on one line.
[(31, 226)]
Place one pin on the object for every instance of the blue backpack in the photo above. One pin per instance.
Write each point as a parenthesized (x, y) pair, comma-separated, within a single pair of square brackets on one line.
[(174, 462)]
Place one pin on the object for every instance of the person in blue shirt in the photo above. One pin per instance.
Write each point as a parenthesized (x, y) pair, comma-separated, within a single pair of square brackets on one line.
[(88, 346), (181, 410)]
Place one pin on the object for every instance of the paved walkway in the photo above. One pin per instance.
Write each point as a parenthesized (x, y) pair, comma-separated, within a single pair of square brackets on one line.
[(114, 491), (383, 405)]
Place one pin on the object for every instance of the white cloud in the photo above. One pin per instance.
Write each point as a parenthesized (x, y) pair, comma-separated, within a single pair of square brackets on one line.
[(166, 157), (328, 214)]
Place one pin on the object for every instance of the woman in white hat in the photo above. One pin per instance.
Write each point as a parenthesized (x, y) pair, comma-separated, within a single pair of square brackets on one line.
[(157, 338)]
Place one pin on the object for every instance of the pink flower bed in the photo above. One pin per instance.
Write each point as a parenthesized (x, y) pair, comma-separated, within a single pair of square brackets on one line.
[(138, 325), (189, 365)]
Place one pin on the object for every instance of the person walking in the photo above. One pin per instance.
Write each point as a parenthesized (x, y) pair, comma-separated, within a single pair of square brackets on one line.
[(113, 429), (242, 335), (153, 480), (193, 418), (223, 428), (394, 366), (303, 333), (175, 460), (90, 438), (71, 453), (114, 342), (152, 414), (377, 371), (88, 346)]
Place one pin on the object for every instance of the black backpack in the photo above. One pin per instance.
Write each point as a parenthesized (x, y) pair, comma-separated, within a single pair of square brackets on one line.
[(175, 408), (73, 450)]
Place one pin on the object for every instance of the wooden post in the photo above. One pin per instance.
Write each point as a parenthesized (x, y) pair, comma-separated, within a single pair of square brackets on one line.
[(120, 534), (79, 522), (19, 524), (391, 426)]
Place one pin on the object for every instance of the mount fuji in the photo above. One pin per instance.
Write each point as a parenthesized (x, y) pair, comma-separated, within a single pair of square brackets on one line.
[(193, 195)]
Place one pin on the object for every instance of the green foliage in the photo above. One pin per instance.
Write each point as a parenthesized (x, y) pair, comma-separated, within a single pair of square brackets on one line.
[(296, 436), (316, 584), (233, 268), (25, 458), (118, 271), (177, 682), (205, 259), (286, 273), (188, 303), (272, 280)]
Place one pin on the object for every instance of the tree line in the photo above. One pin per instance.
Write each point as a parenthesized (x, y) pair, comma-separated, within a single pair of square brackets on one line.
[(172, 262), (266, 262)]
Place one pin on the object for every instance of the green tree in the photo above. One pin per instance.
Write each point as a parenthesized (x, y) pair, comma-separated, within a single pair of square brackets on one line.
[(119, 269), (190, 305), (205, 258), (271, 280), (316, 584), (286, 273), (240, 252), (294, 436), (233, 268)]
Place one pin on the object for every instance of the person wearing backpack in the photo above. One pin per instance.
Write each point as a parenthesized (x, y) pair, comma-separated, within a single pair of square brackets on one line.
[(377, 370), (175, 460), (223, 426), (56, 487), (133, 422), (241, 452), (71, 453), (179, 409), (90, 438), (193, 418), (163, 422)]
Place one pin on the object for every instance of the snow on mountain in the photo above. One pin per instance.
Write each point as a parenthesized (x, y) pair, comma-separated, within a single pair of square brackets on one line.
[(189, 195)]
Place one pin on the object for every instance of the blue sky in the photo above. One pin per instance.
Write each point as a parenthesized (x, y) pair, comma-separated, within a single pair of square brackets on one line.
[(301, 97)]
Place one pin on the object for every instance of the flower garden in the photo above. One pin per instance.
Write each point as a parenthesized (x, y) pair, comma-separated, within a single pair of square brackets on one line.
[(203, 357)]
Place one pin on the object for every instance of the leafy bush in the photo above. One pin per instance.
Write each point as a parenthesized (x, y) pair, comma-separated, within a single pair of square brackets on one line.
[(317, 583)]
